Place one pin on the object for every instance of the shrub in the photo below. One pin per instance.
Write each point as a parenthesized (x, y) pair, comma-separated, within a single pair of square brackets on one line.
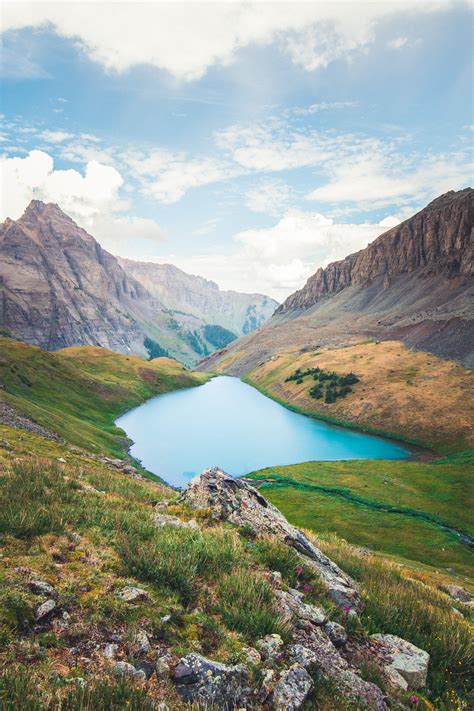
[(246, 604), (175, 558)]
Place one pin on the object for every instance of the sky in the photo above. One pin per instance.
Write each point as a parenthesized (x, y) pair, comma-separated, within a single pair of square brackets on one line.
[(250, 143)]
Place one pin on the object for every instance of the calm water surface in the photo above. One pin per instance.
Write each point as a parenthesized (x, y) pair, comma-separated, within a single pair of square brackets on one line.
[(230, 424)]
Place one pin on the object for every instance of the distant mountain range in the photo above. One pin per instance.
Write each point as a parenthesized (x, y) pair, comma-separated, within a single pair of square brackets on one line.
[(59, 288), (414, 283)]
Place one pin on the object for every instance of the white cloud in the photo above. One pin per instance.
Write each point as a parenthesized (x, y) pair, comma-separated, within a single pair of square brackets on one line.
[(167, 176), (80, 195), (398, 42), (207, 228), (381, 177), (91, 199), (273, 197), (277, 260), (322, 106), (55, 136), (186, 40)]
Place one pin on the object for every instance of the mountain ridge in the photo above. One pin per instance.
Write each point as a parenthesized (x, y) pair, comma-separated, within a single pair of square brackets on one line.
[(60, 288), (413, 284)]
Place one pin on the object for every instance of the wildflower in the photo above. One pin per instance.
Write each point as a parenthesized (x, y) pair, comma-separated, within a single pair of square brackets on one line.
[(306, 587), (414, 700), (298, 569)]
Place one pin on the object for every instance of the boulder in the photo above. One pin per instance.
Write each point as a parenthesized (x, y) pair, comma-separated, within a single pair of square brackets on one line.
[(292, 689), (291, 604), (323, 658), (201, 681), (303, 656), (336, 633), (251, 655), (110, 650), (142, 642), (270, 647), (132, 594), (239, 503), (45, 609), (161, 519), (459, 593), (128, 670), (405, 661), (41, 587)]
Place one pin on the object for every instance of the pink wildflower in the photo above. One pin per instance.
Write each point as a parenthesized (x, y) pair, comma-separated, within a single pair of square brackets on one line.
[(298, 570)]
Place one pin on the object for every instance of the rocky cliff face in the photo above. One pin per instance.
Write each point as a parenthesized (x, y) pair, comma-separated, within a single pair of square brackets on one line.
[(436, 241), (179, 291), (60, 288), (412, 284)]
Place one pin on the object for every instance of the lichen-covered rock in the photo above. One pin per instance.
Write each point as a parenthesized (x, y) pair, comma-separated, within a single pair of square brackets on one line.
[(110, 650), (236, 501), (332, 666), (291, 604), (459, 593), (303, 656), (162, 667), (161, 519), (132, 594), (292, 689), (202, 681), (336, 633), (142, 642), (41, 587), (406, 661), (251, 655), (128, 670), (44, 610), (270, 646)]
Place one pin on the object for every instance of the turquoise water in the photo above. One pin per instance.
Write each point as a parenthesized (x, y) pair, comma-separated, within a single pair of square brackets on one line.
[(229, 424)]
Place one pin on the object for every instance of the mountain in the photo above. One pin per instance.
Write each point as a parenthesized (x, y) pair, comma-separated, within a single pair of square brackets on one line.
[(413, 284), (59, 288), (178, 291)]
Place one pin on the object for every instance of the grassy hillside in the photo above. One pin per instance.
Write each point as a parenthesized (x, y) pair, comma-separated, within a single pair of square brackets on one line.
[(403, 509), (201, 587), (77, 393), (409, 394)]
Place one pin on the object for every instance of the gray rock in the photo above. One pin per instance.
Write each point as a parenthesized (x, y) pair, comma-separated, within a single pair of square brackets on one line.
[(132, 594), (126, 669), (110, 650), (252, 656), (166, 520), (303, 656), (291, 604), (458, 593), (270, 647), (162, 667), (202, 681), (41, 587), (142, 642), (292, 689), (236, 501), (328, 662), (336, 633), (45, 609), (406, 661)]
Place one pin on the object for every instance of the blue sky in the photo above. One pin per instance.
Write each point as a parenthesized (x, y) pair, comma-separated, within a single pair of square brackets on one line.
[(250, 143)]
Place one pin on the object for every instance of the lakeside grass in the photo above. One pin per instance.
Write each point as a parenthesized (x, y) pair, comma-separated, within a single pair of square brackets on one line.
[(409, 395), (338, 497), (78, 392)]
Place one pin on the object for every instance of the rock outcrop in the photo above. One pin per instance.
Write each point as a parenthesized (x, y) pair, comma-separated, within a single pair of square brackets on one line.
[(202, 681), (407, 665), (239, 503)]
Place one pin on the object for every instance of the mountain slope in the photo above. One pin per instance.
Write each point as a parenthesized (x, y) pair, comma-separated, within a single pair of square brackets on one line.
[(59, 288), (414, 283), (179, 291)]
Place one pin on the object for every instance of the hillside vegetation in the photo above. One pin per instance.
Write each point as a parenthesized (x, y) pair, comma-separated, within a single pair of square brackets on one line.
[(409, 394), (77, 393), (408, 510)]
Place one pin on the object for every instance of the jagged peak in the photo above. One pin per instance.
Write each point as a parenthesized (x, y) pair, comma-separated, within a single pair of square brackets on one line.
[(37, 209)]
